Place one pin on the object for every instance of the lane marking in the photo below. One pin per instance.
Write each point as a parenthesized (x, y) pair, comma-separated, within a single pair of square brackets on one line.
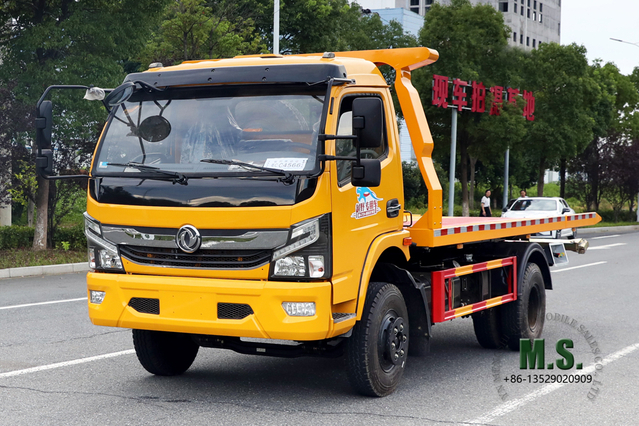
[(65, 364), (606, 247), (605, 236), (511, 406), (577, 267), (42, 303)]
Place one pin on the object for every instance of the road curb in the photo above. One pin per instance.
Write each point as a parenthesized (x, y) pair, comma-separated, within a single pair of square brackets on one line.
[(607, 229), (30, 271)]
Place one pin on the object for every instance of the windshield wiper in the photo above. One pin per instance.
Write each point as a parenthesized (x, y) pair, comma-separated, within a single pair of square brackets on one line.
[(288, 178), (175, 176)]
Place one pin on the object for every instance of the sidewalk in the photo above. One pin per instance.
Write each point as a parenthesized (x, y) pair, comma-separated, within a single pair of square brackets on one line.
[(31, 271)]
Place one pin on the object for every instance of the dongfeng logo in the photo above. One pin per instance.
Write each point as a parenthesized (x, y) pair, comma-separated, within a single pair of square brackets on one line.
[(188, 239)]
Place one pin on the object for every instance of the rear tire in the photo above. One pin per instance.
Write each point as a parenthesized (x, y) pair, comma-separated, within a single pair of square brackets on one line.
[(487, 324), (524, 318), (377, 350), (163, 353)]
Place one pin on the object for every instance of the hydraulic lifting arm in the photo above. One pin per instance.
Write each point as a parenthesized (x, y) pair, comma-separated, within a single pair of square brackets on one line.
[(403, 62)]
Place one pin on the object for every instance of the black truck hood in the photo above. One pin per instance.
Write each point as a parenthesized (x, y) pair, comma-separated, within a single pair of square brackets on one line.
[(220, 192)]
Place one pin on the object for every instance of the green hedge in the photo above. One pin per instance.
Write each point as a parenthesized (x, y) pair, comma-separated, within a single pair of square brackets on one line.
[(74, 236), (22, 237), (15, 237), (624, 216)]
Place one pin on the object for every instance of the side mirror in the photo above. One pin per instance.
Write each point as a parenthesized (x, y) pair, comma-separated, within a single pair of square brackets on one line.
[(565, 210), (120, 94), (368, 118), (44, 162), (44, 124), (505, 209), (368, 173)]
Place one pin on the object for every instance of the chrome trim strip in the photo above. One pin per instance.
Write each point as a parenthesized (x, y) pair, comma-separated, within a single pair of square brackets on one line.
[(262, 240), (148, 265)]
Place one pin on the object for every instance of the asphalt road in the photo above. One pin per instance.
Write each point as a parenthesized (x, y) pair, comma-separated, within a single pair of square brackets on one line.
[(56, 368)]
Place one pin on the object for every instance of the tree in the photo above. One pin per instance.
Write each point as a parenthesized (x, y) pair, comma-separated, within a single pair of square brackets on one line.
[(201, 29), (472, 42), (564, 93), (69, 42)]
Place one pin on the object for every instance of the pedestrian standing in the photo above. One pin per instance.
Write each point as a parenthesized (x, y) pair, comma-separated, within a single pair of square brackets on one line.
[(485, 205)]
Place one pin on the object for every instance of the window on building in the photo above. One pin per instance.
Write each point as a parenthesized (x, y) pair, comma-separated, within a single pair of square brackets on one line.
[(522, 10), (528, 14), (503, 6), (527, 41), (541, 7), (528, 3), (515, 37), (522, 1), (559, 29), (539, 45), (541, 18), (535, 4), (429, 1), (534, 43), (515, 8), (414, 2), (521, 39), (534, 16), (415, 9)]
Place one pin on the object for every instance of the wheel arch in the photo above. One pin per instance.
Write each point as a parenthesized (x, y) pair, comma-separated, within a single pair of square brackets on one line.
[(387, 248)]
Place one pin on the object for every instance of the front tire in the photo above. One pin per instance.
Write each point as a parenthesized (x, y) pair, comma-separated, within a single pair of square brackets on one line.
[(524, 318), (377, 350), (163, 353)]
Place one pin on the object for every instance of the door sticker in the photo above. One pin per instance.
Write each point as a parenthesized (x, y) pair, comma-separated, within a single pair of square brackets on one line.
[(366, 203)]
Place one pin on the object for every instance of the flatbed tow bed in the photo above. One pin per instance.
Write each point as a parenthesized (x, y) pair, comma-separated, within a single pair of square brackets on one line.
[(460, 230)]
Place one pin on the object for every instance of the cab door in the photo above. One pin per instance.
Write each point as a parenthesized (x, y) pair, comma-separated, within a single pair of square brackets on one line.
[(360, 214)]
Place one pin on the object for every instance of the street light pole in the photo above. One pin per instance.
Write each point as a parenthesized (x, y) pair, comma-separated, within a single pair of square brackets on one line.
[(634, 44), (276, 27), (624, 41)]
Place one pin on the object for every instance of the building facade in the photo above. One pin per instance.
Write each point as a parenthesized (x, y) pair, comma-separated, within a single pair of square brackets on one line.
[(532, 22)]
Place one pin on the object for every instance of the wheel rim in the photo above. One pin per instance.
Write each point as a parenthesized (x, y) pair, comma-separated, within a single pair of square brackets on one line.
[(393, 341), (534, 303)]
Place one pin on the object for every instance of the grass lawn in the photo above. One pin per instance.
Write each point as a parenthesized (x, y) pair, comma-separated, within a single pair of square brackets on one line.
[(17, 258)]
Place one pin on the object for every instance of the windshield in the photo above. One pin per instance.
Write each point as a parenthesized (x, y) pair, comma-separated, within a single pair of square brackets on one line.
[(534, 205), (174, 130)]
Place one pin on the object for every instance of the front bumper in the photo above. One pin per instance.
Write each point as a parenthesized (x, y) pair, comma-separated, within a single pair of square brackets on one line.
[(189, 305)]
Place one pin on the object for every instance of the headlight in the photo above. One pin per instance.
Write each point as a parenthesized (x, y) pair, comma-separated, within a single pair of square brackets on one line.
[(307, 253), (102, 255)]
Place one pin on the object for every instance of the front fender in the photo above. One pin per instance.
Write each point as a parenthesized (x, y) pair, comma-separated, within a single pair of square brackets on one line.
[(378, 247)]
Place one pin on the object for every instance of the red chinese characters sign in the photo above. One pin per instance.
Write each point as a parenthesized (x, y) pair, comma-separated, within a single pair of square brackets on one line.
[(477, 99)]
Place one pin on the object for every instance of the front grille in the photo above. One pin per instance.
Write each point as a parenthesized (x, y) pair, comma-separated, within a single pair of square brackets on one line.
[(145, 306), (203, 259), (233, 311)]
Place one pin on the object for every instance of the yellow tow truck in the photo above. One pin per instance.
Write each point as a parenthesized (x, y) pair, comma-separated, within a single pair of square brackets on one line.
[(255, 204)]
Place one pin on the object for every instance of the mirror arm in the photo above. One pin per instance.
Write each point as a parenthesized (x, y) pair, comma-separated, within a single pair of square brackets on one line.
[(322, 137), (323, 157), (46, 92)]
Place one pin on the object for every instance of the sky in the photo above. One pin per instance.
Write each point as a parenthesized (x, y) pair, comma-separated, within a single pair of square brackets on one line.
[(592, 23)]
